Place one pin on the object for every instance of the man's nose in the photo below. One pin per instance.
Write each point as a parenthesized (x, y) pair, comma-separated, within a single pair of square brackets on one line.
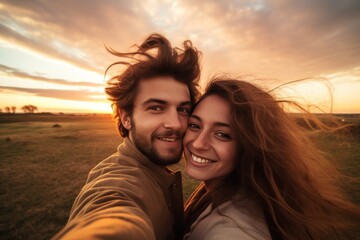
[(172, 120)]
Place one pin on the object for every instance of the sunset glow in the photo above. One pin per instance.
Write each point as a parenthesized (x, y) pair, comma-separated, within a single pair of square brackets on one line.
[(52, 53)]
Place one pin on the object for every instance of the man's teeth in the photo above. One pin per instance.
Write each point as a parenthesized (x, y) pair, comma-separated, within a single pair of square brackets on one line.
[(168, 139), (200, 160)]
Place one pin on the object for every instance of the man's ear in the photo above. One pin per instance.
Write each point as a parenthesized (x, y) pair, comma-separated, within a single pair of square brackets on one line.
[(125, 119)]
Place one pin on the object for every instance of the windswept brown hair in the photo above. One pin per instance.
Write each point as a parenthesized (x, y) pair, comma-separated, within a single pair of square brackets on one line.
[(300, 191), (154, 57)]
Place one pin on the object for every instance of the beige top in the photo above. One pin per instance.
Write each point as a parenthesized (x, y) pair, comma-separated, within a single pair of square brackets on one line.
[(240, 219)]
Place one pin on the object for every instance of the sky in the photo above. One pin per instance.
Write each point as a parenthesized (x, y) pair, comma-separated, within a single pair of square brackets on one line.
[(53, 56)]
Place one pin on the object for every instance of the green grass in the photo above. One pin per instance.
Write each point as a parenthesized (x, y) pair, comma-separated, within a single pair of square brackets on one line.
[(42, 168)]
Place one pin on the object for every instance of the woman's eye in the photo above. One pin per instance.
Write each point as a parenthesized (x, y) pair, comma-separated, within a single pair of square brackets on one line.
[(223, 135), (193, 126)]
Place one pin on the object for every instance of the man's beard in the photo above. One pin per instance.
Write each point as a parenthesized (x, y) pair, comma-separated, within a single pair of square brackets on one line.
[(148, 149)]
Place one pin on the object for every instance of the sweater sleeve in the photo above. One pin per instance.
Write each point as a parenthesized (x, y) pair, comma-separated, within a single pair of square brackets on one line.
[(112, 205)]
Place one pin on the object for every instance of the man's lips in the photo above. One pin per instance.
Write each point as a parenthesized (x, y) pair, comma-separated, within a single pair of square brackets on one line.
[(170, 136), (168, 139)]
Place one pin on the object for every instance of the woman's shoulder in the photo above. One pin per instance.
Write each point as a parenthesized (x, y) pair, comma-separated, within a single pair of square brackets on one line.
[(242, 212), (239, 218)]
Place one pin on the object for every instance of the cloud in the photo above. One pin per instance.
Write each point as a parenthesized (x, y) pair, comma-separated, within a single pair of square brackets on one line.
[(13, 72), (352, 76), (275, 38), (268, 38), (76, 95), (45, 46), (72, 31)]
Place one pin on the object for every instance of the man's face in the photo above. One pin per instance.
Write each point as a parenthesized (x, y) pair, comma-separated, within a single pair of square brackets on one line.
[(159, 119)]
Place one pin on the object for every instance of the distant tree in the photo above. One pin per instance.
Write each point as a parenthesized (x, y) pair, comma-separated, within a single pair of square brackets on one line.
[(25, 109), (32, 108), (7, 109), (29, 108), (13, 109), (0, 110)]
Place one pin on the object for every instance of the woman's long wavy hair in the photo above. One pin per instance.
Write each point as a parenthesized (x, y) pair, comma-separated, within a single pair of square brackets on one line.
[(155, 57), (301, 192)]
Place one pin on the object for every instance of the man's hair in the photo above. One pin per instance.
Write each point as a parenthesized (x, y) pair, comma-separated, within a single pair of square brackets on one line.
[(154, 57)]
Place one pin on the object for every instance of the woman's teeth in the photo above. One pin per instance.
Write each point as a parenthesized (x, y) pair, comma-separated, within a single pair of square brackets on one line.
[(200, 160)]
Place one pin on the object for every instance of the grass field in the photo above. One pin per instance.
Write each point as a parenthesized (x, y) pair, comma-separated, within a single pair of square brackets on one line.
[(42, 168)]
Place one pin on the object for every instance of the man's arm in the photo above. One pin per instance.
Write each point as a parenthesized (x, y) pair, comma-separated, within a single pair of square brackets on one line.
[(110, 206)]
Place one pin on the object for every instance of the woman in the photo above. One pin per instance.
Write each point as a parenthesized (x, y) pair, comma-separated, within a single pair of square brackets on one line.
[(262, 176)]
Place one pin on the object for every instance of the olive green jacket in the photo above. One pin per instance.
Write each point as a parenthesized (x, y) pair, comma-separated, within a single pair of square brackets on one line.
[(126, 196)]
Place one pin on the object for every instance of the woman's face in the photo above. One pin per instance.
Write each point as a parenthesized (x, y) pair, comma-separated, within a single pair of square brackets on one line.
[(209, 142)]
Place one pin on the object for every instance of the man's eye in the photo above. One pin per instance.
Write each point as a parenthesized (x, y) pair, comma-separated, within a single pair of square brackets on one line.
[(184, 110), (155, 108)]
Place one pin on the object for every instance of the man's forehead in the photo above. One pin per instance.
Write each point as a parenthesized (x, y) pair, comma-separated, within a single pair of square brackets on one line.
[(165, 89)]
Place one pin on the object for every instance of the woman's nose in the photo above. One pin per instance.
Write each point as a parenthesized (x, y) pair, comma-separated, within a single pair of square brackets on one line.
[(201, 142)]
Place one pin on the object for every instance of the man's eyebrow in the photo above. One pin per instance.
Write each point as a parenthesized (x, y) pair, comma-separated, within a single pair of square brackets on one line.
[(154, 100), (159, 101), (185, 103), (218, 124)]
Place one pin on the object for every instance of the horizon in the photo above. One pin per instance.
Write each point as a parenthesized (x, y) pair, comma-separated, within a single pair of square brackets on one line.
[(55, 112), (56, 60)]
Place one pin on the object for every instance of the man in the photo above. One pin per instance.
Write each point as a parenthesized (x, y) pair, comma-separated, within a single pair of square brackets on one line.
[(131, 194)]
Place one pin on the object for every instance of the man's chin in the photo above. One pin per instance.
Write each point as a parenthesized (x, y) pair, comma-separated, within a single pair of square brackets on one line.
[(166, 160), (165, 155)]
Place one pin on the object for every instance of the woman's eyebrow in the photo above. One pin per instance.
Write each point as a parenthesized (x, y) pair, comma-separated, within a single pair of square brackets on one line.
[(195, 116), (219, 124)]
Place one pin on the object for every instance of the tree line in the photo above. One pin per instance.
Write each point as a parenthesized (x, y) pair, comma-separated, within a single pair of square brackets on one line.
[(26, 109)]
